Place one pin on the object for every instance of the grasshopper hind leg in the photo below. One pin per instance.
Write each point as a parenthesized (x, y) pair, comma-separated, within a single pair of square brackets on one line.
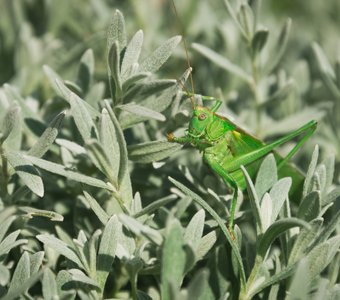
[(231, 182)]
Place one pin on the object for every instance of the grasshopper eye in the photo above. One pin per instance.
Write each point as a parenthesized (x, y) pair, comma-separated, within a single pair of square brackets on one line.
[(202, 116)]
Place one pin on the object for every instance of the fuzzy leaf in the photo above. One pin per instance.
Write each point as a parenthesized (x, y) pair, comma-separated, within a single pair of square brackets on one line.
[(148, 210), (246, 19), (278, 194), (47, 138), (114, 70), (49, 285), (303, 240), (9, 122), (97, 209), (259, 40), (300, 282), (86, 71), (310, 206), (31, 212), (60, 247), (311, 169), (140, 229), (280, 46), (82, 118), (266, 211), (98, 156), (275, 230), (173, 260), (63, 171), (107, 249), (27, 172), (147, 89), (153, 62), (152, 151), (124, 181), (110, 143), (254, 201), (79, 276), (205, 244), (21, 274), (142, 111), (131, 54), (116, 31), (266, 176), (10, 242), (5, 224), (194, 230)]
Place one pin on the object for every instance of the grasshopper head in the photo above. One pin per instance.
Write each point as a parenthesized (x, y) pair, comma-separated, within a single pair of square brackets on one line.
[(201, 118)]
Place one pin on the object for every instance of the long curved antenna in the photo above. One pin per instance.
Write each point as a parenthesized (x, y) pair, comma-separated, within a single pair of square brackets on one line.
[(186, 53), (191, 95)]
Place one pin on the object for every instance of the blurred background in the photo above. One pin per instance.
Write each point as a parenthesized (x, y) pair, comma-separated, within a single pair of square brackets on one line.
[(273, 79)]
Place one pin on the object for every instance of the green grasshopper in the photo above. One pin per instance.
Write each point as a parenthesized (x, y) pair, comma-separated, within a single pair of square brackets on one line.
[(226, 147)]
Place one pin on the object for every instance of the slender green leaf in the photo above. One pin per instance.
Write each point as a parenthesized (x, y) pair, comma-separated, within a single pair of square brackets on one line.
[(246, 20), (275, 230), (100, 159), (194, 230), (64, 171), (79, 276), (60, 247), (10, 242), (220, 223), (114, 70), (100, 213), (116, 31), (173, 260), (82, 118), (139, 229), (280, 46), (132, 53), (205, 244), (153, 62), (152, 151), (5, 275), (310, 206), (311, 169), (142, 111), (49, 285), (254, 201), (304, 239), (5, 224), (107, 249), (32, 212), (21, 274), (26, 171), (266, 176), (147, 89), (86, 71), (148, 210), (124, 180), (278, 194), (47, 138), (11, 118), (300, 282), (259, 40), (110, 143)]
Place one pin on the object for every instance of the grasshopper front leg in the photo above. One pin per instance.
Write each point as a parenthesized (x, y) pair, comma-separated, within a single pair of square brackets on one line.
[(180, 140)]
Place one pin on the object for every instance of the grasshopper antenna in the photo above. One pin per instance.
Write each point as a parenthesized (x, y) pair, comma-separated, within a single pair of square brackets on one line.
[(192, 97)]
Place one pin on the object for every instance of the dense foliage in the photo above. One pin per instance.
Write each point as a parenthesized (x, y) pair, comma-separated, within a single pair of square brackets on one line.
[(95, 203)]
